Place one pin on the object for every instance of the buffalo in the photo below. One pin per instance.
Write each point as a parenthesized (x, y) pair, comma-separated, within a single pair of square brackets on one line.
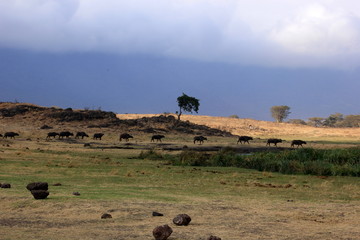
[(1, 135), (274, 141), (125, 136), (65, 134), (298, 143), (81, 134), (157, 138), (10, 135), (98, 136), (199, 139), (244, 139), (52, 134)]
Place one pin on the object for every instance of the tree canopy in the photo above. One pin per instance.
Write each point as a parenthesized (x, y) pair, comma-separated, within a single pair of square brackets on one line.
[(187, 104), (279, 113)]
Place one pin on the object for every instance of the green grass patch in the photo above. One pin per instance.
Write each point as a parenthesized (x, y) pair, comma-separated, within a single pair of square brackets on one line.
[(321, 162)]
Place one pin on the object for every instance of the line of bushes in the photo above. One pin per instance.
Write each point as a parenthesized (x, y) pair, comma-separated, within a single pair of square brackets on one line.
[(321, 162)]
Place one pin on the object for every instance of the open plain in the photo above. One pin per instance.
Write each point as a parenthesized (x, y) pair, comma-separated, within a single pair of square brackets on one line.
[(231, 203)]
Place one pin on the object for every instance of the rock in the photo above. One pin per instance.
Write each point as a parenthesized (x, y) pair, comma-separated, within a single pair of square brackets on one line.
[(76, 193), (162, 232), (5, 185), (87, 145), (106, 215), (213, 238), (57, 184), (37, 186), (182, 220), (157, 214), (45, 127), (40, 194)]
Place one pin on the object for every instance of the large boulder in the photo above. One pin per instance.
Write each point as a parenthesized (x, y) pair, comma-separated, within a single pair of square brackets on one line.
[(162, 232), (37, 186), (40, 194), (182, 220)]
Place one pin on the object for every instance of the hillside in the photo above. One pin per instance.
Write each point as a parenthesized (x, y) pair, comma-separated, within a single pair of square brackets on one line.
[(265, 129), (29, 117)]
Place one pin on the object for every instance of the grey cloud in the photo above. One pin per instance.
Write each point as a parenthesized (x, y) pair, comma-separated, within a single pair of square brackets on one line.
[(218, 30)]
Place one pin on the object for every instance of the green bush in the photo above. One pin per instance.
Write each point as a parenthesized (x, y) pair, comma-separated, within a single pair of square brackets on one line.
[(341, 162), (151, 154), (192, 158)]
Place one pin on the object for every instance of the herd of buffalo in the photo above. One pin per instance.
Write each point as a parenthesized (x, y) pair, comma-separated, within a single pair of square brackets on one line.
[(126, 137)]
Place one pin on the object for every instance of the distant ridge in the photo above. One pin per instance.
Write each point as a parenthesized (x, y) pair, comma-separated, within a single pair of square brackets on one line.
[(265, 129), (30, 115)]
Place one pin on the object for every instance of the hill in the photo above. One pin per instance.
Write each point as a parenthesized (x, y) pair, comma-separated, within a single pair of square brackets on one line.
[(28, 117), (265, 129)]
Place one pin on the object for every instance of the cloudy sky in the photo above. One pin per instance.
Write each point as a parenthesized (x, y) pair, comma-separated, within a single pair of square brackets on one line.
[(237, 56)]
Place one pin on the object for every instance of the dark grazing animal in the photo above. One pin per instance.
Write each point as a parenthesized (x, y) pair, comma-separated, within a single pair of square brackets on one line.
[(98, 136), (157, 138), (52, 134), (244, 139), (65, 134), (10, 135), (274, 141), (298, 143), (1, 135), (125, 136), (81, 134), (199, 139)]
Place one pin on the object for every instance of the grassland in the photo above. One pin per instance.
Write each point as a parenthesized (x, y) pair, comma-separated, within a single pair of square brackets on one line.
[(232, 203), (265, 129)]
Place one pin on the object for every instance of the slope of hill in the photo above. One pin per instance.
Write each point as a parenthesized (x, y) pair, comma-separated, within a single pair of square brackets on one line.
[(29, 117), (264, 129)]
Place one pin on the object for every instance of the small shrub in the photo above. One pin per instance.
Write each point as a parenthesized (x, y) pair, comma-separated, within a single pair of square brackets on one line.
[(151, 154), (192, 158)]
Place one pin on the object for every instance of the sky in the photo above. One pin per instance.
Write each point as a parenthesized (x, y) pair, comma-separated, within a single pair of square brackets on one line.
[(238, 57)]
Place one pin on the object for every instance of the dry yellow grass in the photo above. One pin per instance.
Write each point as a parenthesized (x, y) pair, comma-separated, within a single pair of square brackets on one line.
[(265, 129), (245, 219)]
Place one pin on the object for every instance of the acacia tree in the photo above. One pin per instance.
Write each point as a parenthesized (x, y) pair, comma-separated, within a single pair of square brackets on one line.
[(187, 104), (316, 121), (333, 120), (279, 113)]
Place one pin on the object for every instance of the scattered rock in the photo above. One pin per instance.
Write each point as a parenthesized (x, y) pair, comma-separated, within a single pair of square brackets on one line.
[(157, 214), (106, 215), (182, 220), (37, 186), (40, 194), (45, 127), (5, 185), (162, 232), (213, 238), (76, 193)]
